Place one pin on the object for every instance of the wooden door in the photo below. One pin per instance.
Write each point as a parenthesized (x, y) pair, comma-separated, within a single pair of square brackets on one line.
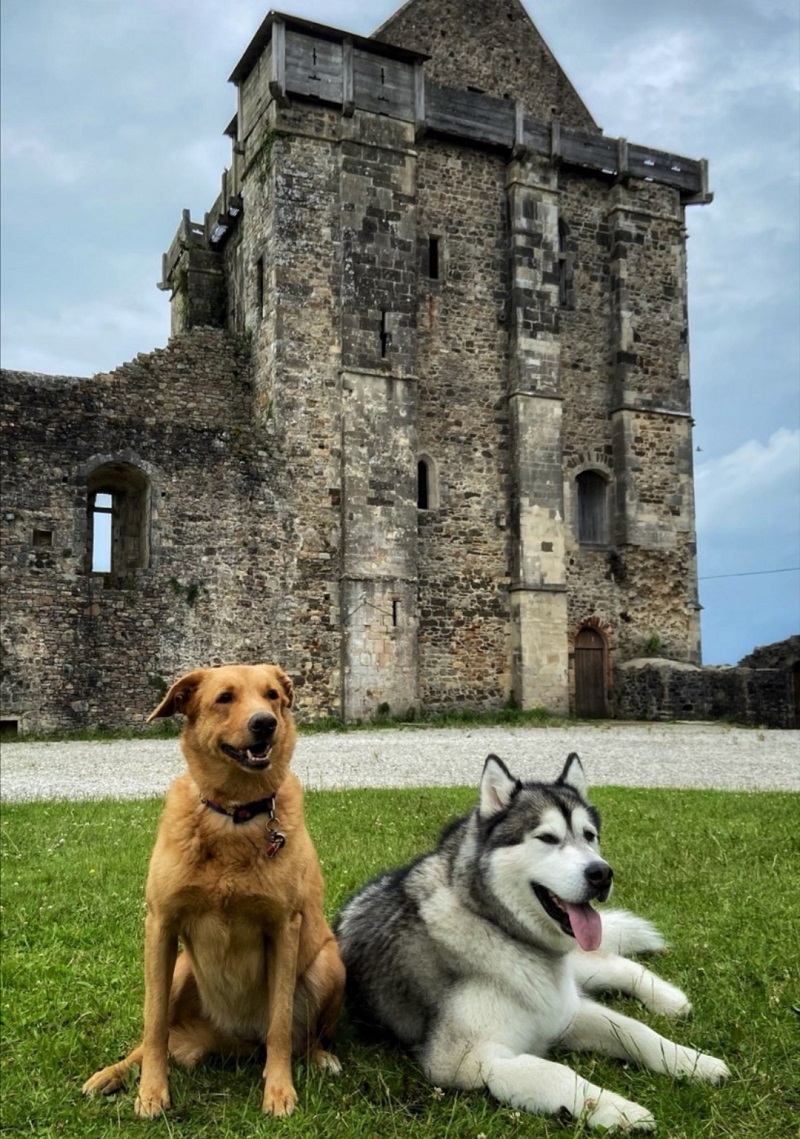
[(590, 675)]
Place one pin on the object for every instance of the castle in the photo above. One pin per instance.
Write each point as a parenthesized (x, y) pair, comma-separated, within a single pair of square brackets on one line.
[(422, 430)]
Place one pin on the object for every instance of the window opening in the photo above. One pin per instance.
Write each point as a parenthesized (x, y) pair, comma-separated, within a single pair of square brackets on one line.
[(395, 611), (260, 286), (118, 520), (101, 509), (9, 728), (384, 334), (592, 509), (422, 485), (433, 258), (563, 276), (42, 537)]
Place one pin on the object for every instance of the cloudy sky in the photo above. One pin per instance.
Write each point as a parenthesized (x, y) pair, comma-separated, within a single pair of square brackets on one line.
[(113, 113)]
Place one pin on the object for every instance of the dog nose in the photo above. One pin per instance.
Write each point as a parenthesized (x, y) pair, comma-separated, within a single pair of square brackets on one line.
[(261, 725), (599, 876)]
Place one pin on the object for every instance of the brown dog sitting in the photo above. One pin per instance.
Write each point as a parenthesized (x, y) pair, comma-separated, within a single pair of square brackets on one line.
[(234, 876)]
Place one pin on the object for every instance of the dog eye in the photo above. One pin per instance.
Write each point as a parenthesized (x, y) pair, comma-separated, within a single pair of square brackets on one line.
[(225, 698), (550, 839), (590, 836), (272, 694)]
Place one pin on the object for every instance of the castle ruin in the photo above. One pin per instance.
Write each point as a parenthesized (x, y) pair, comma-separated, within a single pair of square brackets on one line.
[(422, 429)]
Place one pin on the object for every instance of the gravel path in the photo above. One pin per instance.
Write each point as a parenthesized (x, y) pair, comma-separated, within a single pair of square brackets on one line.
[(633, 755)]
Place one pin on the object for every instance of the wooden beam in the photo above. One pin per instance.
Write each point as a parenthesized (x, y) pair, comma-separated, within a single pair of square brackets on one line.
[(703, 196), (348, 83), (277, 82), (420, 121), (623, 161), (520, 148), (371, 76), (556, 153)]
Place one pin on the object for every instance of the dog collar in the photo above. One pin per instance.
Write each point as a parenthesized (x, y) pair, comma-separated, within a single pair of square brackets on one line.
[(276, 839), (244, 812)]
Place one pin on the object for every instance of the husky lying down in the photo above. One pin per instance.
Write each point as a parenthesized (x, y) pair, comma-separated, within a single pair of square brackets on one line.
[(481, 953)]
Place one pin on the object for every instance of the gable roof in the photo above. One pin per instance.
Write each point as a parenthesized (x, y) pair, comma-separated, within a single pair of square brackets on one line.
[(488, 45)]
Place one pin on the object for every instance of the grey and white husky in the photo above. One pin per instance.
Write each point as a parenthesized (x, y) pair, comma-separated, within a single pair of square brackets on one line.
[(480, 955)]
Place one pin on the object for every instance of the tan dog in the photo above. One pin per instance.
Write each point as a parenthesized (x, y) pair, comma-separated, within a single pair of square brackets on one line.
[(235, 877)]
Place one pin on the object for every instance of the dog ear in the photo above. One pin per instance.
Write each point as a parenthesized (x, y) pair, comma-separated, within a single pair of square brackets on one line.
[(574, 776), (498, 787), (285, 684), (179, 695)]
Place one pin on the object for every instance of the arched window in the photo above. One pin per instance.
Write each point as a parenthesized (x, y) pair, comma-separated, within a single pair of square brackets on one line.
[(592, 509), (427, 483), (118, 521)]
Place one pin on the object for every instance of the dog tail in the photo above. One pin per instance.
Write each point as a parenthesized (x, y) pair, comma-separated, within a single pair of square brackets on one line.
[(625, 933)]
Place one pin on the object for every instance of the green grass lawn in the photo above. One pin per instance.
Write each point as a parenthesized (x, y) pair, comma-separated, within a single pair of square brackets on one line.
[(717, 871)]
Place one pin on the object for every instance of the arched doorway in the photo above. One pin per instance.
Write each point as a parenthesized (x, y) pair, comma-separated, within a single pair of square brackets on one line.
[(590, 675)]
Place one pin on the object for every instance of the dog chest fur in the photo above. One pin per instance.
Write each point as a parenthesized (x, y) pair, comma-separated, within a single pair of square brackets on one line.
[(221, 897)]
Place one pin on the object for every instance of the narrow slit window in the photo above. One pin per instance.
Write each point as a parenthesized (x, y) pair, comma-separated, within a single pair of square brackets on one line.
[(384, 334), (564, 267), (260, 287), (433, 258), (423, 496), (395, 612)]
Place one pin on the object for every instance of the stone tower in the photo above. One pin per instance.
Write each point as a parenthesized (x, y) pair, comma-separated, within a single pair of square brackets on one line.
[(435, 327)]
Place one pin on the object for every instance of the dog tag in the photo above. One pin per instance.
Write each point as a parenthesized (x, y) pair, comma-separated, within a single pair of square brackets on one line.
[(275, 840)]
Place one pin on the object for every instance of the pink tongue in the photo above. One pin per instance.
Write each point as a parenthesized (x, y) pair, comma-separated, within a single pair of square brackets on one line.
[(586, 925)]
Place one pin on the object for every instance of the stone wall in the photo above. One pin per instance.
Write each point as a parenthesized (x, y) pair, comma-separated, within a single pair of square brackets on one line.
[(85, 648), (505, 57), (626, 410), (780, 654), (291, 217), (664, 690), (462, 428)]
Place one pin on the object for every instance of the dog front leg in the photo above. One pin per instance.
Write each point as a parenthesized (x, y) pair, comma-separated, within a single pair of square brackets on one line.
[(280, 1097), (160, 953), (605, 972), (596, 1028), (533, 1084)]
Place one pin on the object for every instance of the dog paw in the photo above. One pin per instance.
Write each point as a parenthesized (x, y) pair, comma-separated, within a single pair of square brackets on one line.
[(668, 1000), (279, 1099), (105, 1082), (615, 1113), (150, 1103), (710, 1069), (327, 1062)]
